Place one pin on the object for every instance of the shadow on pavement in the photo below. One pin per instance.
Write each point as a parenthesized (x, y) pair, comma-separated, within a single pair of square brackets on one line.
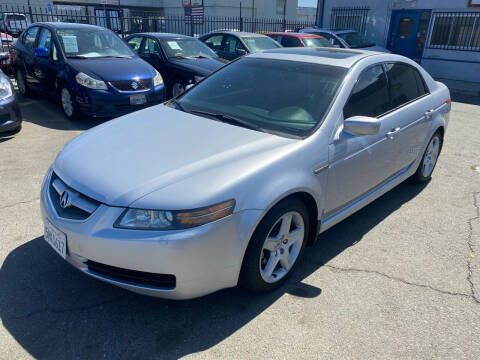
[(54, 311)]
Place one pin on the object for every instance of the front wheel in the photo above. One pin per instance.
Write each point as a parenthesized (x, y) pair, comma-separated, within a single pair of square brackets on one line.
[(22, 83), (429, 160), (69, 106), (276, 246)]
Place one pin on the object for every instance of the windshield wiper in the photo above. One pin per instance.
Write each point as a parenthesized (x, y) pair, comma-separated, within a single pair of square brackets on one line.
[(229, 119), (77, 57), (178, 57), (113, 57), (198, 57)]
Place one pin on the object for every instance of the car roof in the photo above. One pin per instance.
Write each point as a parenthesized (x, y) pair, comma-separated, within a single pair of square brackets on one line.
[(163, 35), (328, 56), (235, 33), (60, 25), (294, 34)]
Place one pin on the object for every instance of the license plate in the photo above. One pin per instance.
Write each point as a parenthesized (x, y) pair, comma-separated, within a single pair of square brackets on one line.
[(56, 239), (138, 99)]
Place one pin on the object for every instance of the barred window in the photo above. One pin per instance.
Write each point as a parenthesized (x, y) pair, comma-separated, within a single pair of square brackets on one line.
[(456, 31), (351, 18)]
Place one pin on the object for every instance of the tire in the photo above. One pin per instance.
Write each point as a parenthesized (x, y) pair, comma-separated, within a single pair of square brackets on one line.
[(429, 160), (22, 84), (68, 104), (267, 264)]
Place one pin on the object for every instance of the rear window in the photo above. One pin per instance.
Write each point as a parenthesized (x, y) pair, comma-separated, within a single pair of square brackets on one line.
[(406, 84)]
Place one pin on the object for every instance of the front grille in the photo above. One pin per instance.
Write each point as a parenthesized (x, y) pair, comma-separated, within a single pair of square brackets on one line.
[(132, 85), (133, 277), (79, 206)]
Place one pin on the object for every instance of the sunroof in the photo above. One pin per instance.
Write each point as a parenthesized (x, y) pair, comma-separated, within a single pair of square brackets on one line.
[(331, 53)]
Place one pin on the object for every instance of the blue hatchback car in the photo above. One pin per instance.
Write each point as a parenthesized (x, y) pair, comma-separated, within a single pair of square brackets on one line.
[(89, 68)]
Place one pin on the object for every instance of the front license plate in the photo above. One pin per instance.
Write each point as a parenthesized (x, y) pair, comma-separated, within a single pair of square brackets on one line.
[(56, 239), (138, 99)]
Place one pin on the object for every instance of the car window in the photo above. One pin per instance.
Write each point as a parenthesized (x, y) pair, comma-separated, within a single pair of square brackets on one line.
[(150, 46), (54, 52), (406, 83), (214, 42), (189, 48), (317, 42), (332, 39), (135, 43), (259, 43), (45, 39), (290, 41), (232, 44), (30, 36), (355, 40), (370, 95)]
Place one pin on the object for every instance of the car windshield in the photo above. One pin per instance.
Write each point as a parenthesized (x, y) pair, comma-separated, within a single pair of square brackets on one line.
[(285, 97), (317, 42), (355, 40), (189, 48), (260, 43), (16, 17), (92, 43)]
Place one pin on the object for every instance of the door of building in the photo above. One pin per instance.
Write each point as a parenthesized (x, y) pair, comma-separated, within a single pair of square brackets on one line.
[(408, 30)]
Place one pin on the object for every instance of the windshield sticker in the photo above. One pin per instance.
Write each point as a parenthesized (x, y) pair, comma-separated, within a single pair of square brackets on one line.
[(174, 45), (70, 43)]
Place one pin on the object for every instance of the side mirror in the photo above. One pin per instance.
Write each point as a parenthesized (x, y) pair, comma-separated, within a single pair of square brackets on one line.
[(361, 125), (41, 52), (241, 52)]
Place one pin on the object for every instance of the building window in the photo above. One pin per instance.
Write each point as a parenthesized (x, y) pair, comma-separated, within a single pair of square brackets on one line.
[(280, 6), (456, 31), (351, 18)]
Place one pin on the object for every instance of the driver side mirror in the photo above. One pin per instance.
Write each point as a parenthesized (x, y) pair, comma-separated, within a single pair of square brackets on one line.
[(361, 125), (41, 52), (241, 52)]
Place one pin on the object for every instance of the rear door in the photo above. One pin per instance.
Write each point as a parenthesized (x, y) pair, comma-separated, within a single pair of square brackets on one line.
[(359, 164), (412, 112)]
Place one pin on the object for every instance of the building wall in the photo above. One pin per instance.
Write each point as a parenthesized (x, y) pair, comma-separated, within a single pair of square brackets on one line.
[(448, 64)]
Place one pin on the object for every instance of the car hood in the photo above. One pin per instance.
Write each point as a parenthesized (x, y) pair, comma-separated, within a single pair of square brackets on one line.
[(112, 69), (198, 66), (127, 158)]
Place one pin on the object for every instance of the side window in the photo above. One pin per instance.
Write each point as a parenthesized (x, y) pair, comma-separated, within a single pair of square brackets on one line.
[(290, 41), (215, 42), (150, 47), (45, 39), (231, 44), (135, 43), (406, 84), (369, 96), (30, 37)]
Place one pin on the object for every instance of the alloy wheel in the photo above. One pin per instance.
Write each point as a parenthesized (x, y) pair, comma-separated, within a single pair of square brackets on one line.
[(431, 156), (282, 246), (67, 104), (21, 83)]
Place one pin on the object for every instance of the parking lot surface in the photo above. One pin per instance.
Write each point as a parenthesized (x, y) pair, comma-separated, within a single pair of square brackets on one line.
[(399, 279)]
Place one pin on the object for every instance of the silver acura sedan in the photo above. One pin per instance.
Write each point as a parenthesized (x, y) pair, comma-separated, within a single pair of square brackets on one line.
[(228, 183)]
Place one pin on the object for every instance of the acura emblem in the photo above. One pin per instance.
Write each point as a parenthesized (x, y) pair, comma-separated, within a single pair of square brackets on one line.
[(65, 200), (134, 85)]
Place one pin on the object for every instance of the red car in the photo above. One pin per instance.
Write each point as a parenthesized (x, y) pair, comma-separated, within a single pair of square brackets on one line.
[(291, 39)]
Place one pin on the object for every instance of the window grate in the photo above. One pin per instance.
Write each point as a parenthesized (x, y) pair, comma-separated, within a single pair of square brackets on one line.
[(351, 18), (456, 31)]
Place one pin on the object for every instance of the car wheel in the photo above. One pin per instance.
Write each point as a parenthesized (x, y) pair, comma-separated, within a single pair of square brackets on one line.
[(429, 160), (68, 104), (177, 89), (21, 83), (276, 246)]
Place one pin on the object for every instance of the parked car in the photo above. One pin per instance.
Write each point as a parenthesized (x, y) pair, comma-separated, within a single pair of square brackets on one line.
[(180, 59), (13, 23), (231, 45), (10, 114), (345, 39), (227, 183), (292, 39), (89, 68)]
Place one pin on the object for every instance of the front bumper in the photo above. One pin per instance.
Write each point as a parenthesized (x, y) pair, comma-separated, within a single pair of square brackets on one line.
[(10, 115), (202, 259), (113, 103)]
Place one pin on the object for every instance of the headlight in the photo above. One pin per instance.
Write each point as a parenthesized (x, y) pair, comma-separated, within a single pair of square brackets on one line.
[(157, 80), (90, 82), (6, 89), (173, 220)]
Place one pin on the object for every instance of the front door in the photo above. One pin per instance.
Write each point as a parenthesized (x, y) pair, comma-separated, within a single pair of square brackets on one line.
[(408, 31)]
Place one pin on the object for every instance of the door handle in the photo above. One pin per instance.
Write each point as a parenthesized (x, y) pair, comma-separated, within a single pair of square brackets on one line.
[(391, 133), (429, 113)]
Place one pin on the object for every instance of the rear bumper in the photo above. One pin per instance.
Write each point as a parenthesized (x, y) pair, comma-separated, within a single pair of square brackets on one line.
[(107, 103), (10, 115)]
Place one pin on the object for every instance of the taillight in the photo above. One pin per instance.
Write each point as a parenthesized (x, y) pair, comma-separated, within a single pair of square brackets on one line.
[(448, 101)]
